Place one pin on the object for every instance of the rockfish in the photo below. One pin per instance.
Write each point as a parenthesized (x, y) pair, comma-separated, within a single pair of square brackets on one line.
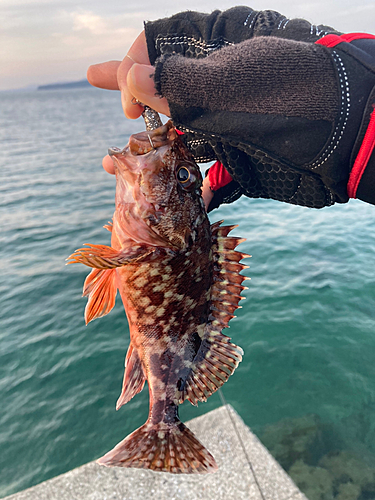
[(179, 281)]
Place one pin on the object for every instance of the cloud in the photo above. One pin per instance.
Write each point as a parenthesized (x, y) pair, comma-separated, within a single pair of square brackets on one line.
[(49, 40), (61, 43), (85, 23), (89, 21), (96, 36)]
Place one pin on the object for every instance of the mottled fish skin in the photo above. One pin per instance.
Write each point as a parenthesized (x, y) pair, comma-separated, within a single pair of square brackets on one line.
[(179, 282)]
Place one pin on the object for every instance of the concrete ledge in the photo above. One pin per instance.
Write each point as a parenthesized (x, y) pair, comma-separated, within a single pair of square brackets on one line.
[(219, 431)]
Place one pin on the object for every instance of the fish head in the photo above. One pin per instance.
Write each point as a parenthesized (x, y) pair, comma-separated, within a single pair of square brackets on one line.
[(158, 190)]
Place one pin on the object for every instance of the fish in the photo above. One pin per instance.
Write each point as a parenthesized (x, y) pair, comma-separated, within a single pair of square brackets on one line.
[(179, 280)]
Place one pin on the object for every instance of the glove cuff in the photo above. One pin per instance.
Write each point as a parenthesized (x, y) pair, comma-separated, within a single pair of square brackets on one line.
[(361, 183)]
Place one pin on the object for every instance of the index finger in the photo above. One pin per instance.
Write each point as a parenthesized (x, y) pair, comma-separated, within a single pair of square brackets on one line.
[(104, 75)]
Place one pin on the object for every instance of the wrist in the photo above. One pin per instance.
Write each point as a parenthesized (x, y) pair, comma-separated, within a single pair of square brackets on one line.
[(207, 193)]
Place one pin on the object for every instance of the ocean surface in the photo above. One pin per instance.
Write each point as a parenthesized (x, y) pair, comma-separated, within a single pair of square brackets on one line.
[(306, 384)]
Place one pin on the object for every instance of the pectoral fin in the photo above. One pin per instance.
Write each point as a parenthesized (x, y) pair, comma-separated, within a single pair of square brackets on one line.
[(105, 257)]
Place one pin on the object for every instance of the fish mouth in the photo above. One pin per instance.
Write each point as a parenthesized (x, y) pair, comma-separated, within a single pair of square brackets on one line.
[(134, 173), (113, 151), (138, 213)]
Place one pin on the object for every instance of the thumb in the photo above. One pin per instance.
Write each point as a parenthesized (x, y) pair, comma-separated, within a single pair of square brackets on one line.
[(140, 83)]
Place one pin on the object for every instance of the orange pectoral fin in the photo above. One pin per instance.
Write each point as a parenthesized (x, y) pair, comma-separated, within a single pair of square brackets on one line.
[(134, 377), (100, 287), (105, 257)]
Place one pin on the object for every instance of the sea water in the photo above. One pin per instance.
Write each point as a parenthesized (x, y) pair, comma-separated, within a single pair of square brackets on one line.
[(306, 384)]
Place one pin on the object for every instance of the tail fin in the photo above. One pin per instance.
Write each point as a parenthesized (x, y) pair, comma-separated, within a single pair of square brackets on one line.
[(163, 447)]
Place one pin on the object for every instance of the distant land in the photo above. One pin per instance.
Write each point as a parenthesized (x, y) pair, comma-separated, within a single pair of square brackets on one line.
[(52, 86), (29, 88), (68, 85)]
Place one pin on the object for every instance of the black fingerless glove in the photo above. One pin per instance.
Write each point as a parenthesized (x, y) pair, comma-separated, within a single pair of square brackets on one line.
[(282, 115)]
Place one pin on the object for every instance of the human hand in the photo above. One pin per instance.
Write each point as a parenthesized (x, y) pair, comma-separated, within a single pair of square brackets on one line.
[(133, 76)]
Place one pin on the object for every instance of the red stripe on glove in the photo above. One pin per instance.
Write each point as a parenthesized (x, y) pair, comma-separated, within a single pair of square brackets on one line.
[(333, 40), (364, 154), (218, 176)]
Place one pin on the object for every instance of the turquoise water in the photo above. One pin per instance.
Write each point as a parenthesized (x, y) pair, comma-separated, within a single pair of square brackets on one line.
[(307, 326)]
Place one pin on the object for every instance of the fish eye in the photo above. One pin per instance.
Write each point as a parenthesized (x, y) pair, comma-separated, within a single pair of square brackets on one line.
[(183, 175), (187, 175)]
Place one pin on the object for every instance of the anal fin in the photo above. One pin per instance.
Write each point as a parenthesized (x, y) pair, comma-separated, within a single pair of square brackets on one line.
[(134, 377)]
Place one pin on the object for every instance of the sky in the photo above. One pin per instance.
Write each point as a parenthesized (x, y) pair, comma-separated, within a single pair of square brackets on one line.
[(48, 41)]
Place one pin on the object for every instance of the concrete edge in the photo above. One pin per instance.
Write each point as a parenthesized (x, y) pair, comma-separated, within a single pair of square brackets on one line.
[(246, 471)]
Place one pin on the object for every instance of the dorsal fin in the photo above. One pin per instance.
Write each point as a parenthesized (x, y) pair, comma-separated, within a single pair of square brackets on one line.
[(217, 357), (216, 360), (227, 287)]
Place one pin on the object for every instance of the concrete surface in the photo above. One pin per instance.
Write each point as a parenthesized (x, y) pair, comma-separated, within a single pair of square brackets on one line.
[(221, 431)]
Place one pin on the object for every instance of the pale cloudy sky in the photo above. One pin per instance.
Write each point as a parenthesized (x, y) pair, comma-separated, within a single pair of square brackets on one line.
[(46, 41)]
